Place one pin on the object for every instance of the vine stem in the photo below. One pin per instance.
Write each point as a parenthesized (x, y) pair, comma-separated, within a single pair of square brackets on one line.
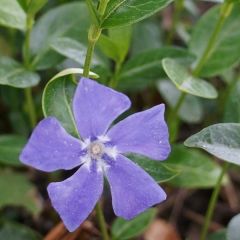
[(212, 202), (26, 58), (225, 11), (93, 36)]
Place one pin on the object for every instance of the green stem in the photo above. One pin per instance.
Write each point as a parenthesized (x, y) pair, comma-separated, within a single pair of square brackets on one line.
[(212, 203), (114, 81), (93, 36), (30, 107), (178, 6), (27, 63), (224, 13), (101, 221)]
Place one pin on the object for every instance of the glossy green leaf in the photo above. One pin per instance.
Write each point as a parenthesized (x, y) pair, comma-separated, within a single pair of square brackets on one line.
[(158, 170), (232, 104), (222, 140), (122, 12), (219, 235), (35, 6), (73, 49), (16, 231), (12, 15), (225, 52), (142, 68), (71, 20), (10, 148), (233, 230), (123, 230), (17, 190), (197, 170), (57, 101), (185, 82), (14, 74), (191, 110)]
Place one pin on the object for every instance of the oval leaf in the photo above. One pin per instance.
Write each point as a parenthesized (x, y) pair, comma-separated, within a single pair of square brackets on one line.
[(122, 12), (185, 82), (222, 140), (10, 148), (14, 74), (158, 170), (123, 230), (12, 15), (197, 170)]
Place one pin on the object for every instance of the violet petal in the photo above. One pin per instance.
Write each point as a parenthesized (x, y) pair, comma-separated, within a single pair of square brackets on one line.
[(133, 190), (75, 198), (144, 133), (51, 148), (96, 106)]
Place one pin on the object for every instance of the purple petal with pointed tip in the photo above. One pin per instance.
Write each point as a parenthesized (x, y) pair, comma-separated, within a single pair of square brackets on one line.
[(133, 190), (96, 106), (75, 198), (144, 133), (51, 148)]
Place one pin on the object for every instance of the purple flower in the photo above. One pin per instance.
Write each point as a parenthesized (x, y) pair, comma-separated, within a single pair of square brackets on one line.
[(99, 153)]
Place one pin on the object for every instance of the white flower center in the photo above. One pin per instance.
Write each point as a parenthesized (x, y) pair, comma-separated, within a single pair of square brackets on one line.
[(96, 149)]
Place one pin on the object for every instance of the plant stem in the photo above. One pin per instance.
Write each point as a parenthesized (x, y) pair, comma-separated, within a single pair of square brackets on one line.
[(224, 13), (114, 80), (178, 6), (93, 36), (213, 201), (101, 221), (27, 63)]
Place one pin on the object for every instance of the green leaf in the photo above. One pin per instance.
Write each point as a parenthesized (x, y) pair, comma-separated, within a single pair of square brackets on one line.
[(10, 148), (158, 170), (15, 231), (16, 190), (185, 82), (123, 230), (222, 140), (219, 235), (146, 66), (12, 15), (233, 230), (73, 49), (232, 104), (197, 170), (122, 12), (191, 110), (71, 20), (227, 47), (14, 74), (57, 99)]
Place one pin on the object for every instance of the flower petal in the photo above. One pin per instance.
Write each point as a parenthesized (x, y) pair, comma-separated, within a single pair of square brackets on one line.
[(51, 148), (96, 106), (144, 133), (133, 190), (75, 198)]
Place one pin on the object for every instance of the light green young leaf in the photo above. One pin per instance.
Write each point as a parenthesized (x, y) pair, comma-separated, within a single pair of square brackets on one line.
[(12, 15), (191, 110), (123, 230), (16, 190), (71, 20), (10, 148), (185, 82), (158, 170), (14, 74), (222, 140), (197, 170), (122, 12), (227, 47)]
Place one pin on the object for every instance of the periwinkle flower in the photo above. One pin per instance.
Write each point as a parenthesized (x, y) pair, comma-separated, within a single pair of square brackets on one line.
[(100, 152)]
